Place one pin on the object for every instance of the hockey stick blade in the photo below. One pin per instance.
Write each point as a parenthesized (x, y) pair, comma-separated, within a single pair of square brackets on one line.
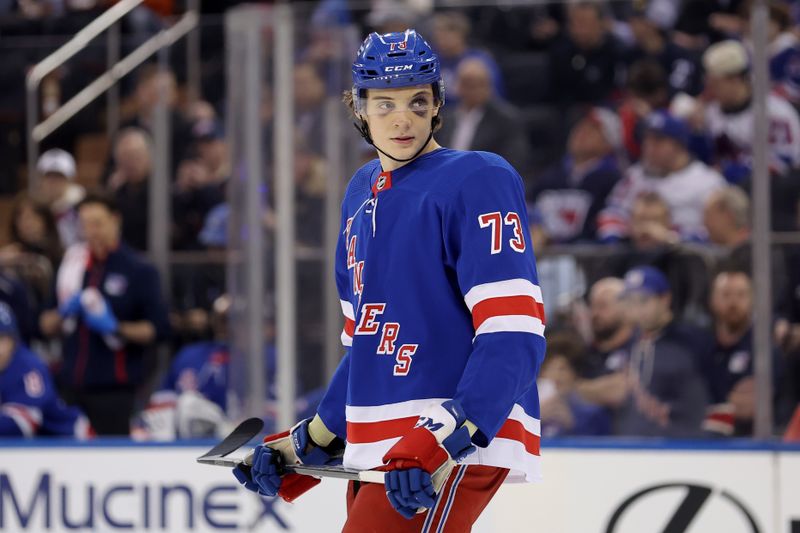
[(237, 438), (365, 476)]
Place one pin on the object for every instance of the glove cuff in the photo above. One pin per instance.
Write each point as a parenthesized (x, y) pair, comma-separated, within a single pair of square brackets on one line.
[(295, 485), (319, 432), (442, 419), (417, 449)]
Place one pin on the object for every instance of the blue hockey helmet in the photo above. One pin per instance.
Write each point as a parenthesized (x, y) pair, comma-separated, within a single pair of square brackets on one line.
[(399, 59)]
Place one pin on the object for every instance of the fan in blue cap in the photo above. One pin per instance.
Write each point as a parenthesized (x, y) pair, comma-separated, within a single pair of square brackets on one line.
[(394, 60)]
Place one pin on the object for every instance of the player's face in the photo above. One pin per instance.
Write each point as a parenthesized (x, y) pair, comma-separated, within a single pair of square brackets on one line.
[(400, 119), (6, 351), (732, 300)]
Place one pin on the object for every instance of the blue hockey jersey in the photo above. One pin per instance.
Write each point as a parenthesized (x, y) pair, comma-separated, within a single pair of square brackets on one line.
[(439, 291), (29, 403)]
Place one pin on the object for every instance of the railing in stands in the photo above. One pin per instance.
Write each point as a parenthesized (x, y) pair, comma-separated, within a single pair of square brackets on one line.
[(107, 82)]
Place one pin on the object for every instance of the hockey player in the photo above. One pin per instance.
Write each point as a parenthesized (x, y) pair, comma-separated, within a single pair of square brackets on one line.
[(443, 316), (29, 405)]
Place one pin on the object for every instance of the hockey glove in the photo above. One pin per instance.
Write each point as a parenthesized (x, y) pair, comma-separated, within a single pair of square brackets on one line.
[(421, 461), (97, 313), (71, 307), (308, 442)]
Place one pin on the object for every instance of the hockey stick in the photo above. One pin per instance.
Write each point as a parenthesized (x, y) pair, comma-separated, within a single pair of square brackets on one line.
[(249, 429), (241, 435), (337, 472)]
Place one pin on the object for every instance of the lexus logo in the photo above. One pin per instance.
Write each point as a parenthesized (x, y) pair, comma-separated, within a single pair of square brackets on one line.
[(697, 501)]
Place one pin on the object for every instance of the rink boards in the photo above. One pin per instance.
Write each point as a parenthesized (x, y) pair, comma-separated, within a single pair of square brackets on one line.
[(624, 487)]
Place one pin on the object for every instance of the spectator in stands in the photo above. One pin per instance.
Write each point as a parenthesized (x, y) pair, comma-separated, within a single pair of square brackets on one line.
[(564, 411), (784, 53), (153, 81), (200, 185), (648, 91), (451, 30), (729, 116), (481, 121), (108, 311), (33, 231), (14, 294), (571, 193), (667, 168), (654, 241), (130, 182), (650, 23), (667, 395), (192, 400), (603, 379), (57, 189), (588, 60), (29, 404), (309, 98), (728, 367), (702, 21), (727, 219)]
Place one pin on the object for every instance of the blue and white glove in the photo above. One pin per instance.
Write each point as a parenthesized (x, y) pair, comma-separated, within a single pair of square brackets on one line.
[(421, 461), (308, 442), (70, 311), (71, 307), (97, 313)]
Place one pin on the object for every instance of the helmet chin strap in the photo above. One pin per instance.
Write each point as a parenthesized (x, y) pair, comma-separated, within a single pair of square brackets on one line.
[(363, 129)]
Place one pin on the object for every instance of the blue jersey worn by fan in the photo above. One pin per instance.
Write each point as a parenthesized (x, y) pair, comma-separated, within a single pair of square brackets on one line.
[(29, 404)]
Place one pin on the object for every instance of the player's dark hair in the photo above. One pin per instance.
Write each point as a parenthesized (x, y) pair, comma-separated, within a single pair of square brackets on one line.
[(100, 198)]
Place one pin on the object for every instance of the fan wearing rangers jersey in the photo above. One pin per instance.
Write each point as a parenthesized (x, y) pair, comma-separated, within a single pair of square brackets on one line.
[(729, 117), (443, 314), (29, 404)]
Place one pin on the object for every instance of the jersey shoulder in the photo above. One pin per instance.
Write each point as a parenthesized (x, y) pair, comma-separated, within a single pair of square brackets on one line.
[(25, 360), (456, 172), (359, 185)]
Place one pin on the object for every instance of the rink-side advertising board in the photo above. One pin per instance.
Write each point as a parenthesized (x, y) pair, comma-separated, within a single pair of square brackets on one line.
[(121, 487)]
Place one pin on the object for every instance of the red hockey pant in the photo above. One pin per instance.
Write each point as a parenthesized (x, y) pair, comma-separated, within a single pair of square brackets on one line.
[(458, 505)]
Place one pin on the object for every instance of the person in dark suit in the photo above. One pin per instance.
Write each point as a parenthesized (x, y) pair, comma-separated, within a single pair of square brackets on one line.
[(482, 121)]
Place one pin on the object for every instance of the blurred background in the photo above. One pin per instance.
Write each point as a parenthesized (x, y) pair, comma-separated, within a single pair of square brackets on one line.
[(216, 135)]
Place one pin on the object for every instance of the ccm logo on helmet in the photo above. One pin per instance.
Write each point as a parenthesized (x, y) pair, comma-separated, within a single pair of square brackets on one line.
[(398, 68)]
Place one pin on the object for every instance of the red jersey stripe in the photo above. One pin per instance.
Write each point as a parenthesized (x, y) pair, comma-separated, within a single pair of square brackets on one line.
[(506, 305), (366, 432), (349, 327), (514, 430)]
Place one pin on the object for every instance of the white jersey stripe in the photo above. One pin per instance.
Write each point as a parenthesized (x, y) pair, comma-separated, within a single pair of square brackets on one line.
[(496, 289), (521, 323), (389, 411), (347, 309), (347, 340)]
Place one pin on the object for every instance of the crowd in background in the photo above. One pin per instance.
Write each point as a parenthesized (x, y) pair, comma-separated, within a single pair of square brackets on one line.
[(630, 123)]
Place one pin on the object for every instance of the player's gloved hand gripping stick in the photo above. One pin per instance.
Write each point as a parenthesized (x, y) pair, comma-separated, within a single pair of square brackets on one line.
[(265, 470), (421, 461), (244, 433)]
